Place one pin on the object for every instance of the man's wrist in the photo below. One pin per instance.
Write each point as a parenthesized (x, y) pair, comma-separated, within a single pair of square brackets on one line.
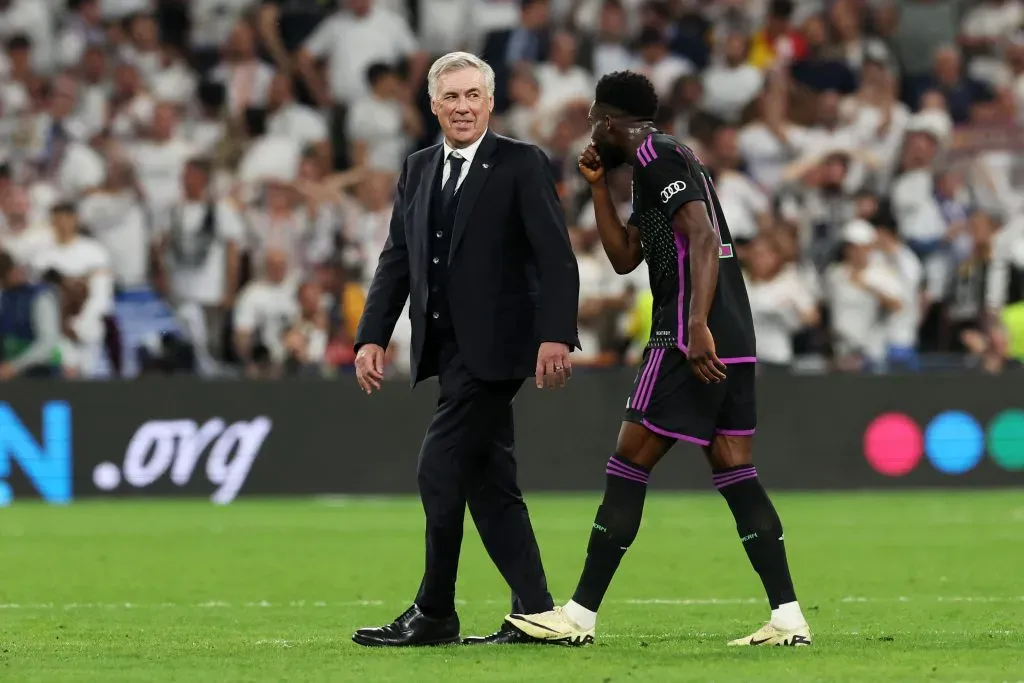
[(697, 322)]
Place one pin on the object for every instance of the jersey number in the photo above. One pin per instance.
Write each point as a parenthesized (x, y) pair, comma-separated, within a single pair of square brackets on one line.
[(724, 250)]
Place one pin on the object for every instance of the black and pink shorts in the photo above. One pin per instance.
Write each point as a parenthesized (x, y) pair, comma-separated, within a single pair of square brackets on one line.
[(669, 399)]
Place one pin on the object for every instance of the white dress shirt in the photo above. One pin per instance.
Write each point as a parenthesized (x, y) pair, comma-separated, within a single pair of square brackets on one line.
[(466, 153)]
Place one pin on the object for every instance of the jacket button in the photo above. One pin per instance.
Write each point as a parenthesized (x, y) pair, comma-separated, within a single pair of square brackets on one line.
[(437, 260)]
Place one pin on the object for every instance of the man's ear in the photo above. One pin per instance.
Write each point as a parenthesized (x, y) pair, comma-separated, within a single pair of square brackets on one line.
[(490, 103), (433, 106)]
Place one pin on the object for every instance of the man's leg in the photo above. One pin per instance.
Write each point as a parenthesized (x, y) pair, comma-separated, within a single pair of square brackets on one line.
[(668, 404), (501, 517), (618, 517), (730, 455)]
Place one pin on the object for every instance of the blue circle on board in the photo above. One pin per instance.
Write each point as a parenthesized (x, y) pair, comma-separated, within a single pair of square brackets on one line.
[(954, 442)]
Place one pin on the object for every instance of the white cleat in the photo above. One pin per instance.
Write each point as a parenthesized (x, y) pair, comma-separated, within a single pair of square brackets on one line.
[(772, 635), (552, 627)]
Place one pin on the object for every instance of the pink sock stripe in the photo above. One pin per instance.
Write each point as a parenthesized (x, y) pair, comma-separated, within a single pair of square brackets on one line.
[(649, 144), (735, 432), (739, 359), (725, 474), (642, 155), (734, 476), (674, 435), (617, 469), (636, 469), (645, 398)]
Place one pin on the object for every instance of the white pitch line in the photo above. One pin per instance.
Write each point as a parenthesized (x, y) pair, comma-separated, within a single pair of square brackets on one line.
[(302, 604)]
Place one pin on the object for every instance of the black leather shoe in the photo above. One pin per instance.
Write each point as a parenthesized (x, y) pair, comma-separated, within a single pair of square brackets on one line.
[(411, 629), (506, 635)]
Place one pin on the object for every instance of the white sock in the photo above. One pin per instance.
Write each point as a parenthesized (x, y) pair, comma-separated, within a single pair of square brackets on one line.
[(580, 615), (788, 616)]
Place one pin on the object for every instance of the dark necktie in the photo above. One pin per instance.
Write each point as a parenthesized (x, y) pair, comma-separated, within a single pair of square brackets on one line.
[(448, 191)]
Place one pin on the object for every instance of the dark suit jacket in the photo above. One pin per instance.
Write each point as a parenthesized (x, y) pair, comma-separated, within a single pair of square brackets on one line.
[(513, 281)]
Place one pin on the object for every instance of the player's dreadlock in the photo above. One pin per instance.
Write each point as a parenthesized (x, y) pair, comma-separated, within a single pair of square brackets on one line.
[(629, 92)]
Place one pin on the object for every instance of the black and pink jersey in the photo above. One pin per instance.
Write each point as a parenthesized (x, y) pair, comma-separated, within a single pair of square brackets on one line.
[(667, 175)]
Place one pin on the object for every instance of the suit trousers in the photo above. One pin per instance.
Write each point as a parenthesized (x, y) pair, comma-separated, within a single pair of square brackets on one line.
[(468, 458)]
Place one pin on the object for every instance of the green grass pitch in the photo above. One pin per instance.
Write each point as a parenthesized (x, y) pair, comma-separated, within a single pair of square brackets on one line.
[(897, 587)]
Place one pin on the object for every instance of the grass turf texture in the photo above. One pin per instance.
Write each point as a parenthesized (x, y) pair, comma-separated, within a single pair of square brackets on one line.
[(903, 587)]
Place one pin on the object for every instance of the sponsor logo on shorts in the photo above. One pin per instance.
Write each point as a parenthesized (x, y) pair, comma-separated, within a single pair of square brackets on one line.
[(672, 190)]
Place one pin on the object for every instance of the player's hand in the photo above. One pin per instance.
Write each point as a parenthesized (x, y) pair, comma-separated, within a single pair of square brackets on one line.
[(370, 367), (702, 356), (590, 165), (553, 365)]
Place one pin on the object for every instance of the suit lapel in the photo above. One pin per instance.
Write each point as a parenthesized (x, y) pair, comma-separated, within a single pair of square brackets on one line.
[(479, 171), (430, 184)]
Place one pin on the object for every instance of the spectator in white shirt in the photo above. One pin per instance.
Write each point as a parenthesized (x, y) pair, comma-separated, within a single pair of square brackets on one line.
[(130, 107), (526, 119), (306, 341), (212, 22), (55, 128), (352, 40), (561, 80), (84, 28), (658, 64), (282, 224), (34, 19), (731, 84), (159, 160), (94, 89), (610, 52), (861, 293), (15, 78), (367, 218), (290, 119), (143, 47), (902, 325), (77, 257), (746, 207), (267, 308), (115, 215), (779, 301), (20, 236), (382, 125), (245, 76), (200, 238)]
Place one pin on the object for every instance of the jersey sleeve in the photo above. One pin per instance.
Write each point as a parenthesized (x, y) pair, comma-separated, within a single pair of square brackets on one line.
[(669, 177)]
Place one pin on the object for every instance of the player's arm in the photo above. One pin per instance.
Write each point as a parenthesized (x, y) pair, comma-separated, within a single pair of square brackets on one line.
[(692, 222), (684, 196), (621, 242)]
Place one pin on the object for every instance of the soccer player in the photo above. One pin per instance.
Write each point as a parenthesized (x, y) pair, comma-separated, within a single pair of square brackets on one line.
[(696, 382)]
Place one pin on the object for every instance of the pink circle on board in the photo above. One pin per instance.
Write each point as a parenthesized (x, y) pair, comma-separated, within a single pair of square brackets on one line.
[(893, 444)]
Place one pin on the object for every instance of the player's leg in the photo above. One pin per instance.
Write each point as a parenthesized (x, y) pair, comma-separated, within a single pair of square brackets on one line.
[(668, 404), (757, 522), (615, 528)]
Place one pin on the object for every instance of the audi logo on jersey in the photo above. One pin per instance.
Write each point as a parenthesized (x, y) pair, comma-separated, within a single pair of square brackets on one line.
[(672, 190)]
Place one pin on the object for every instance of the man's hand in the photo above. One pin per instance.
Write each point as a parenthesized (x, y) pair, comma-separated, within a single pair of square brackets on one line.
[(6, 372), (370, 367), (590, 165), (702, 355), (553, 365)]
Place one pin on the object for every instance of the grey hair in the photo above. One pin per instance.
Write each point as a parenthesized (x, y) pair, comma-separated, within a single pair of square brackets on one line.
[(456, 61)]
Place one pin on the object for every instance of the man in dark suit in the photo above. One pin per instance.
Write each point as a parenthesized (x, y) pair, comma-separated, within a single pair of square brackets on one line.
[(479, 246)]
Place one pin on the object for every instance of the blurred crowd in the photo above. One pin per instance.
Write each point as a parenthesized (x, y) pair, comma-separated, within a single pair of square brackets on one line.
[(203, 186)]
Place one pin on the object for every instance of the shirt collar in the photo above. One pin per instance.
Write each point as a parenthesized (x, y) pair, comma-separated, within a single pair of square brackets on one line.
[(466, 153)]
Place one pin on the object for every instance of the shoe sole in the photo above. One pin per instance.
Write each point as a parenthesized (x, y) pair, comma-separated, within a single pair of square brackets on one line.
[(563, 642), (369, 642)]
